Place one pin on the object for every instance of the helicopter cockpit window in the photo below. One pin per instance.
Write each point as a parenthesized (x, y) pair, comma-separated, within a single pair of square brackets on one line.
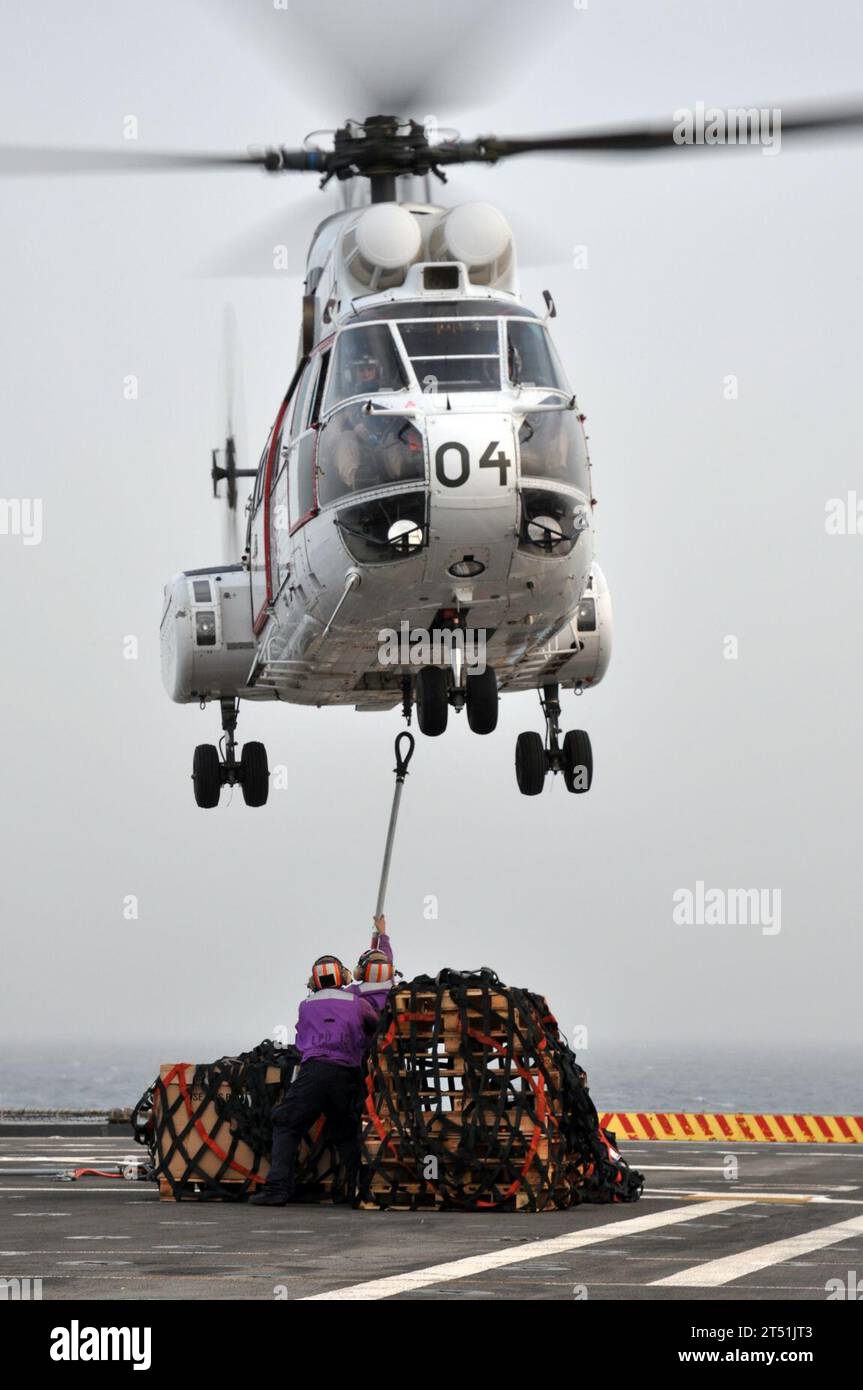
[(365, 363), (531, 359), (301, 399), (358, 450), (382, 529), (551, 445), (320, 388), (461, 355), (551, 522), (258, 485)]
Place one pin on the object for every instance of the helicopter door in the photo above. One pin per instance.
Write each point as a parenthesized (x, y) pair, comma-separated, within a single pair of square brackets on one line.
[(260, 542), (279, 527), (257, 571), (302, 489)]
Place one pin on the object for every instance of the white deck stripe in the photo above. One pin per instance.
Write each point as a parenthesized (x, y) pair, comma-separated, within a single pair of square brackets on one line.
[(532, 1250), (775, 1198), (722, 1271)]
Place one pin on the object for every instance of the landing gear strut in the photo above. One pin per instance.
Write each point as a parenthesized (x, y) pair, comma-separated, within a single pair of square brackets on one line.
[(535, 759), (213, 768)]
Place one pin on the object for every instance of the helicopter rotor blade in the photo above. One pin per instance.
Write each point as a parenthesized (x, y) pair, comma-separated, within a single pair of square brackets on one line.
[(274, 247), (232, 547), (370, 71), (229, 367), (642, 139), (47, 159), (231, 491)]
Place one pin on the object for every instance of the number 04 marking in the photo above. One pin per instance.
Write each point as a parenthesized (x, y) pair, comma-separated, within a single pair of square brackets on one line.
[(489, 459)]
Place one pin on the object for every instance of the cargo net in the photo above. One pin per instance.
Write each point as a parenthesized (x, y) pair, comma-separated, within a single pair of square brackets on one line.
[(475, 1101), (208, 1130)]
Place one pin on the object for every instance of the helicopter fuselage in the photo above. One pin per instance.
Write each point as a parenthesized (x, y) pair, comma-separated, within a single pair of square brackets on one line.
[(427, 470)]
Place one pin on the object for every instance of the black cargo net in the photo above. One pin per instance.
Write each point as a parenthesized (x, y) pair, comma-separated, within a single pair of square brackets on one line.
[(474, 1100), (208, 1127)]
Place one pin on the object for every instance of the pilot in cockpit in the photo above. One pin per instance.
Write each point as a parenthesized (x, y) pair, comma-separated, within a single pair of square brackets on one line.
[(371, 449)]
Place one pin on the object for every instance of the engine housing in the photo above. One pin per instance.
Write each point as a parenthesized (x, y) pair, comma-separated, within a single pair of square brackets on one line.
[(206, 636)]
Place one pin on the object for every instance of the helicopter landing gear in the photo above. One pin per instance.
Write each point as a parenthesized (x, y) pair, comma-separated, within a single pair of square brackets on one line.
[(534, 760), (577, 758), (210, 771), (481, 701), (530, 766), (206, 775), (254, 774), (434, 695)]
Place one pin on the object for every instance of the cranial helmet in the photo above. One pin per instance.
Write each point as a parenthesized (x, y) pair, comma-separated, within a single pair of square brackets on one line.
[(328, 972), (374, 968), (364, 368)]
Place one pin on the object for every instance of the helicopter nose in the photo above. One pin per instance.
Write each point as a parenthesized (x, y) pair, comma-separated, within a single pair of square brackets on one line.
[(473, 495), (472, 459)]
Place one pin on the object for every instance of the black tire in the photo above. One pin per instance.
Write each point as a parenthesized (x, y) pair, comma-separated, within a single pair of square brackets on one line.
[(530, 765), (254, 774), (577, 755), (432, 692), (207, 775), (481, 700)]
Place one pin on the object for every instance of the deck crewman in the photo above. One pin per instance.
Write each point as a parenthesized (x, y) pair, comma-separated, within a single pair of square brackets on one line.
[(374, 973), (334, 1030)]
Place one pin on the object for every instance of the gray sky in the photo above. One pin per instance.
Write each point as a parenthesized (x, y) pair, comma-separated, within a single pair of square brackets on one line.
[(740, 773)]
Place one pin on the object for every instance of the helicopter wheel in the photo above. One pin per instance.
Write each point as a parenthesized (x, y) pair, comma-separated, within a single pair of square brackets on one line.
[(254, 774), (577, 757), (530, 764), (481, 699), (432, 694), (207, 775)]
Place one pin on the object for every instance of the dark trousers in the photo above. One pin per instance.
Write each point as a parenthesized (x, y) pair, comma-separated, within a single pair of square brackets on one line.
[(321, 1088)]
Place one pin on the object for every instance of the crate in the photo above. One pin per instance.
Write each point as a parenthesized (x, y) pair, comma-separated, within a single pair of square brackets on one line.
[(487, 1099), (205, 1140)]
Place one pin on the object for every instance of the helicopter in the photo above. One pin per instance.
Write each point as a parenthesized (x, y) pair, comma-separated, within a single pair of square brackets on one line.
[(427, 472)]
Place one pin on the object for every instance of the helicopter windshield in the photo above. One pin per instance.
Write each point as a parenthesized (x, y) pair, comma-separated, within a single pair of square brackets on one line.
[(358, 450), (365, 362), (447, 355), (530, 357), (551, 445)]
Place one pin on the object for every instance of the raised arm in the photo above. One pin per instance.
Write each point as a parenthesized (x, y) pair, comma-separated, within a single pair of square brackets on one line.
[(380, 939)]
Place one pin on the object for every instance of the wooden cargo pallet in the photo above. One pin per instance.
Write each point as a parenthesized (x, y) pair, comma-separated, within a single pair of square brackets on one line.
[(418, 1197), (197, 1192)]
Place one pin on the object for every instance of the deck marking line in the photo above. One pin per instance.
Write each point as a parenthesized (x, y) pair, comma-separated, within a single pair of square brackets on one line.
[(729, 1267), (737, 1127), (791, 1198), (498, 1259)]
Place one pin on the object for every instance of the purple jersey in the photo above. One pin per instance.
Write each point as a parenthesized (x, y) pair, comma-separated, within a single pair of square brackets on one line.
[(376, 994), (335, 1025)]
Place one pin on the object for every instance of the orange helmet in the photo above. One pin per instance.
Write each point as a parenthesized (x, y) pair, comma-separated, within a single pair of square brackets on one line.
[(328, 972), (374, 968)]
